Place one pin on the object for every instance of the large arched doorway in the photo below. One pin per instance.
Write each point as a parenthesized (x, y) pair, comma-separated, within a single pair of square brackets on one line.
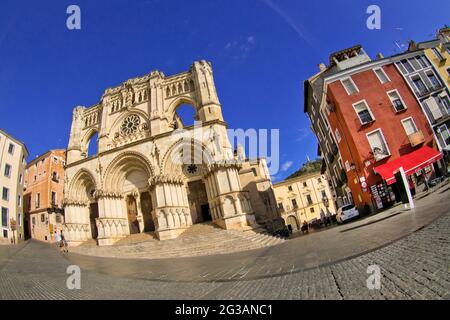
[(132, 214), (83, 190), (293, 223), (147, 208), (129, 175)]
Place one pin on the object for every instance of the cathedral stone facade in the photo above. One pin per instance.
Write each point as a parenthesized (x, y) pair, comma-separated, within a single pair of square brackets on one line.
[(151, 173)]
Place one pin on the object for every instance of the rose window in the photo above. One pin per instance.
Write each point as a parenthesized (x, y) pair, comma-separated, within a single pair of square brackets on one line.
[(192, 169), (130, 125)]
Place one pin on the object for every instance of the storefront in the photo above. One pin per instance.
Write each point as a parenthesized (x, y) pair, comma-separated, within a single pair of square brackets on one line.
[(419, 167)]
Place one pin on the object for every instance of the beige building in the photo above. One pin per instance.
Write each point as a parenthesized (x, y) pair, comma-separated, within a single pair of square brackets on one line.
[(13, 154), (152, 172), (43, 195), (302, 198), (255, 179)]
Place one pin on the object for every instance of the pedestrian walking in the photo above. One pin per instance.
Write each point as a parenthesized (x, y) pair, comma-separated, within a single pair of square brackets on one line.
[(57, 239), (64, 246), (322, 218)]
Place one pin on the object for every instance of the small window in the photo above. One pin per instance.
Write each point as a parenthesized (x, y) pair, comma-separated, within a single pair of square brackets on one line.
[(378, 145), (438, 54), (324, 194), (381, 75), (4, 217), (42, 218), (38, 200), (338, 135), (54, 198), (309, 199), (294, 203), (407, 66), (290, 188), (420, 85), (11, 148), (397, 101), (349, 86), (363, 112), (409, 126), (19, 201), (5, 194), (7, 171), (58, 218), (254, 172), (305, 184), (434, 80), (311, 210), (422, 61)]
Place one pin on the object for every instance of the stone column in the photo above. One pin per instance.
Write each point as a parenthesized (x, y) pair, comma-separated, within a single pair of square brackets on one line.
[(112, 223), (171, 209), (230, 206), (76, 227)]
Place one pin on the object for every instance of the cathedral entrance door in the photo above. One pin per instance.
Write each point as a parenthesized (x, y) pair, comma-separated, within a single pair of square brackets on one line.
[(146, 208), (93, 215), (132, 215)]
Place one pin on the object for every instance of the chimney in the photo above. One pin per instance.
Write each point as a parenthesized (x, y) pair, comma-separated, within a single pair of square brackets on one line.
[(322, 67), (380, 56)]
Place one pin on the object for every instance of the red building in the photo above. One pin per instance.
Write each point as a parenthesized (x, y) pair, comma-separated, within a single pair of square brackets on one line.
[(377, 125)]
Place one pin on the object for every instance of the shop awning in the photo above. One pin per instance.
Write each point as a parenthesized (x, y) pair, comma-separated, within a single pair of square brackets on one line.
[(411, 163)]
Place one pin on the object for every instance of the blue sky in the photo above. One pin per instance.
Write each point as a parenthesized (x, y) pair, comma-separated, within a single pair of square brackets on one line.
[(261, 51)]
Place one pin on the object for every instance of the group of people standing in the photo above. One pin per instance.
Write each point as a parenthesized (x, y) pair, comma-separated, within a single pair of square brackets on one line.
[(61, 242)]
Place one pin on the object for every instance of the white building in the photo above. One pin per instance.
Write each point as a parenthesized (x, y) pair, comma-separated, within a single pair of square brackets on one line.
[(12, 165)]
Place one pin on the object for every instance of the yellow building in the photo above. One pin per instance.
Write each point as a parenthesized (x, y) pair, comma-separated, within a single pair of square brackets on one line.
[(438, 52), (302, 198)]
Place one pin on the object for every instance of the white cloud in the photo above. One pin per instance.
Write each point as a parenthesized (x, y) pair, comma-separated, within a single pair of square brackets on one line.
[(241, 49), (286, 165)]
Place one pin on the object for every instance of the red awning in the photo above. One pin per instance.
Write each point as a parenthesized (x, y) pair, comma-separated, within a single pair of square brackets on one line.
[(411, 163)]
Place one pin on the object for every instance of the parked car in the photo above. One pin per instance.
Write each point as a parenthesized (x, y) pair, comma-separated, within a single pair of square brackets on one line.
[(346, 213)]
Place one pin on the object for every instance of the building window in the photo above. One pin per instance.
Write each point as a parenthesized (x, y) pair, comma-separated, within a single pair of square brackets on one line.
[(438, 54), (254, 172), (55, 176), (42, 218), (381, 75), (378, 144), (5, 194), (38, 200), (433, 79), (305, 184), (54, 198), (19, 200), (407, 66), (58, 218), (396, 100), (290, 188), (420, 85), (349, 86), (294, 203), (4, 217), (319, 180), (433, 108), (338, 135), (11, 148), (363, 111), (409, 126), (444, 134), (311, 210), (309, 199), (21, 178), (324, 194), (35, 178), (422, 61), (7, 171)]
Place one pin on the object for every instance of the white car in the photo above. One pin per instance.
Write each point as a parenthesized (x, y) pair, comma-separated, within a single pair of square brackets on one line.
[(346, 212)]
